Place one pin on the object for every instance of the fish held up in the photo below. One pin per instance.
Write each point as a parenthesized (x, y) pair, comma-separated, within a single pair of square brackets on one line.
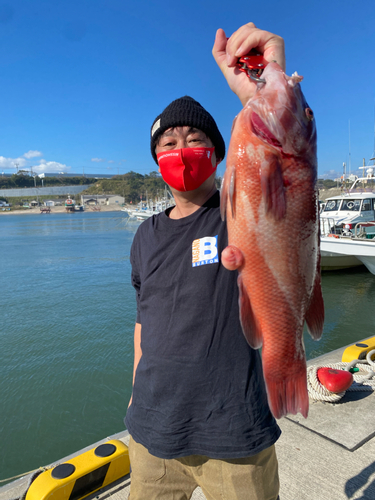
[(269, 198)]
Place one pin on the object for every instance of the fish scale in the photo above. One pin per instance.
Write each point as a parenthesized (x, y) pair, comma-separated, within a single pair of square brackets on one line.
[(269, 199)]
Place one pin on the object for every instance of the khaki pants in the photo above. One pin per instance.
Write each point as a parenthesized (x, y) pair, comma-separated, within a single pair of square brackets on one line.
[(252, 478)]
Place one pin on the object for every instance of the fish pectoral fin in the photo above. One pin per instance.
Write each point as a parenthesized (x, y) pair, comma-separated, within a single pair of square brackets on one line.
[(273, 188), (228, 192), (249, 324), (315, 313)]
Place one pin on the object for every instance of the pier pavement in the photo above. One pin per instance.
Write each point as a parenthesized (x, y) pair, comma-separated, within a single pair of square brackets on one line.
[(328, 456)]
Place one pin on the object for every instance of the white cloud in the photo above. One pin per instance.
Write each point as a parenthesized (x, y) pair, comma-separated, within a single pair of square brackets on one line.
[(97, 159), (329, 174), (12, 163), (50, 167), (32, 154), (111, 161), (23, 163)]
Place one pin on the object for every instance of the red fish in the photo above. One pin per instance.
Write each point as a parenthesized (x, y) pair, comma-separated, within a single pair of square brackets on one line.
[(270, 200)]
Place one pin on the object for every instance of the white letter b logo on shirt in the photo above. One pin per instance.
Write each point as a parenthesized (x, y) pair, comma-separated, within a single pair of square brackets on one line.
[(205, 251)]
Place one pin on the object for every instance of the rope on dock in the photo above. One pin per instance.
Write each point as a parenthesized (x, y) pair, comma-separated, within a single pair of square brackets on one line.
[(34, 475), (16, 477), (364, 378)]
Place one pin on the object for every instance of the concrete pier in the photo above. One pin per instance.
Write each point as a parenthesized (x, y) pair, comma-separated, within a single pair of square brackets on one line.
[(328, 456)]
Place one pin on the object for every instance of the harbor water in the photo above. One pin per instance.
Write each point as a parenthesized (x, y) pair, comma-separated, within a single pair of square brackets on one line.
[(66, 331)]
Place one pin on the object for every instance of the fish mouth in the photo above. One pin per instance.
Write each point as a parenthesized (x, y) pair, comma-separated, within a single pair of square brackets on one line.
[(263, 132)]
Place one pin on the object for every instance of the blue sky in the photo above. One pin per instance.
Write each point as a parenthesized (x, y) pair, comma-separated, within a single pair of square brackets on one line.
[(82, 81)]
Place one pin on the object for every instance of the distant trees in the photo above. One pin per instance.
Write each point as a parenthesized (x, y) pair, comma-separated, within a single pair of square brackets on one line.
[(326, 183), (23, 179), (16, 181), (132, 186)]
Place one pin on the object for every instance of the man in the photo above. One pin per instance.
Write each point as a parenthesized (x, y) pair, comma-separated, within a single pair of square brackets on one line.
[(198, 413)]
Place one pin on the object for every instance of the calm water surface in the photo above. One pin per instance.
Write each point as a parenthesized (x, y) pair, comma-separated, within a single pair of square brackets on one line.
[(66, 331)]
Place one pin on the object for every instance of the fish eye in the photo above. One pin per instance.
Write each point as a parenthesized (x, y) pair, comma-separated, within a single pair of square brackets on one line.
[(309, 114)]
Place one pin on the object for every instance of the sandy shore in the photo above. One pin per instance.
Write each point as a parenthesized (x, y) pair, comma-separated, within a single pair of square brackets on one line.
[(56, 210)]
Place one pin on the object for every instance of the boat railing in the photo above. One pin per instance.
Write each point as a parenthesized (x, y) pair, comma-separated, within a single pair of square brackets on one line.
[(327, 226), (360, 231), (363, 185)]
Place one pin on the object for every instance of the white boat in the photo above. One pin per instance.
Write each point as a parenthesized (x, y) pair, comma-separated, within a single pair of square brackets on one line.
[(347, 226), (147, 209), (347, 249), (142, 213), (353, 206)]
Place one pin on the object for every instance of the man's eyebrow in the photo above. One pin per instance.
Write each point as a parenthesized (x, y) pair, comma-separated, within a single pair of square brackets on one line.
[(167, 133), (171, 132)]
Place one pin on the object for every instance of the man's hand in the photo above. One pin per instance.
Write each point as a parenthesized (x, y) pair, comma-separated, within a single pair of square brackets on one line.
[(232, 258), (239, 44)]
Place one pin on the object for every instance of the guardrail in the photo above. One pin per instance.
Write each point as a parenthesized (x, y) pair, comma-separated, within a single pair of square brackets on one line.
[(361, 231), (328, 227)]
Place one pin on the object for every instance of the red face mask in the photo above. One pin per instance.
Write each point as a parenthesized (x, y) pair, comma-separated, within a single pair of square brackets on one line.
[(186, 169)]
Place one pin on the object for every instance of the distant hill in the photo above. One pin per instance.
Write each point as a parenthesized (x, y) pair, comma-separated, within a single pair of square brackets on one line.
[(132, 186)]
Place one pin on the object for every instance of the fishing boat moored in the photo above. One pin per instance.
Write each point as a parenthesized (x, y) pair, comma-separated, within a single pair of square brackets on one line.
[(69, 205), (347, 249), (353, 206), (147, 209)]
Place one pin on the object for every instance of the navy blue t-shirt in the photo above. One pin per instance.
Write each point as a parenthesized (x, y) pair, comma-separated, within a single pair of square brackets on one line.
[(198, 387)]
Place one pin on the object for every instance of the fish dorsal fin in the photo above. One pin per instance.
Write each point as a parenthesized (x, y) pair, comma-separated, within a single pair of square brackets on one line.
[(273, 189)]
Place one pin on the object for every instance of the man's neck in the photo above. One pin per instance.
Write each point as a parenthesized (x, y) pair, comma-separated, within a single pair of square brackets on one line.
[(188, 203)]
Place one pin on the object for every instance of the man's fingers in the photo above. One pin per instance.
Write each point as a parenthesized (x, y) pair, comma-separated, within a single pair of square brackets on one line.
[(227, 52), (236, 43), (219, 48), (249, 37), (274, 51)]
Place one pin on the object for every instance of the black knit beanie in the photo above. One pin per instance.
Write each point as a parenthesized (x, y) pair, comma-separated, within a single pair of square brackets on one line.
[(182, 112)]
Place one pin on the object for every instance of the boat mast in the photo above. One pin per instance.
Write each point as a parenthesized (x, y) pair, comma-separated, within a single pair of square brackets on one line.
[(349, 152)]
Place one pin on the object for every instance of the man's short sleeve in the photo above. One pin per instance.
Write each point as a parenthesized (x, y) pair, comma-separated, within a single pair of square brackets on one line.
[(135, 276)]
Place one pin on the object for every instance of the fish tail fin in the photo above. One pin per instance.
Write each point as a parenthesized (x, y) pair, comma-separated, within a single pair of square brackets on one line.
[(227, 192), (250, 326), (315, 314), (288, 395)]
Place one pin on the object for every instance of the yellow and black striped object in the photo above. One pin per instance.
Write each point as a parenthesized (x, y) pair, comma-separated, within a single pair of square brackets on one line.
[(83, 474), (358, 350)]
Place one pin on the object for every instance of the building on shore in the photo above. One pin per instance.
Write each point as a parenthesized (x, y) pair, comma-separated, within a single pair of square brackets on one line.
[(101, 199)]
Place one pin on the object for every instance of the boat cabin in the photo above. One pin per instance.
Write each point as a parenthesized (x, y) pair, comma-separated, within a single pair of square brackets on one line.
[(355, 206), (348, 210), (69, 204)]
